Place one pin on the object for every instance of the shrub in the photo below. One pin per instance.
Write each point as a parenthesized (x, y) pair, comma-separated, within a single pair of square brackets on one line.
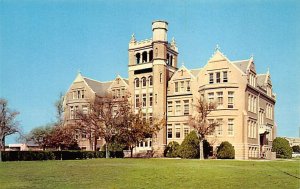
[(225, 151), (296, 148), (172, 150), (282, 148), (207, 149), (189, 148)]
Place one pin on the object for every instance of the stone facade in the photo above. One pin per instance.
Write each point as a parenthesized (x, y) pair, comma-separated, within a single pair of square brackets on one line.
[(164, 90)]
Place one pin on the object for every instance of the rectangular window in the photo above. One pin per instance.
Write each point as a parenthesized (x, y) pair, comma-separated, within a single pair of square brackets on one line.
[(186, 131), (150, 118), (186, 107), (210, 97), (82, 94), (118, 93), (137, 101), (211, 78), (170, 131), (218, 77), (177, 132), (230, 99), (220, 99), (71, 112), (144, 117), (170, 107), (76, 112), (219, 129), (188, 88), (182, 86), (123, 93), (176, 87), (74, 94), (78, 94), (225, 78), (84, 109), (150, 99), (146, 143), (178, 108), (144, 100), (230, 127)]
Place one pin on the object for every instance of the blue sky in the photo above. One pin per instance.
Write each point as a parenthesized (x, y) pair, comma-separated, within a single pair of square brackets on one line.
[(43, 44)]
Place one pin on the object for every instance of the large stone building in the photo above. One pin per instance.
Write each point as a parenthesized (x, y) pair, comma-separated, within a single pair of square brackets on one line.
[(164, 90)]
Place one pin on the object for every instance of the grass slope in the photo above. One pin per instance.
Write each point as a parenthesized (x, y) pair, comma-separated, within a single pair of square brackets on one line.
[(150, 173)]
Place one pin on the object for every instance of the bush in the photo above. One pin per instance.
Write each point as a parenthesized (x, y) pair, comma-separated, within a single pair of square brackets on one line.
[(189, 148), (225, 151), (282, 148), (56, 155), (296, 148), (172, 150)]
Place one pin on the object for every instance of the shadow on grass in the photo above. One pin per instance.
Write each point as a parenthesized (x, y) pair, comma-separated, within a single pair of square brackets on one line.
[(283, 171)]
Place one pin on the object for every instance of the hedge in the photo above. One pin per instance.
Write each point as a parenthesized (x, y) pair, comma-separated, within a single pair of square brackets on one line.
[(56, 155)]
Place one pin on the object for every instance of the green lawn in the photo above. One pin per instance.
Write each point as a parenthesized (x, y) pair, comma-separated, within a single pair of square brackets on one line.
[(150, 173)]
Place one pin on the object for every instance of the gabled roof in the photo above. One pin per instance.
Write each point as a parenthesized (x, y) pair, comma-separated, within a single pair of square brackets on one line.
[(242, 65), (261, 79), (100, 88), (195, 72)]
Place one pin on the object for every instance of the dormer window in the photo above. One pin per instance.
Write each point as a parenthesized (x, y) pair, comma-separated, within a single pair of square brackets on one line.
[(225, 77), (188, 88), (211, 78), (218, 77)]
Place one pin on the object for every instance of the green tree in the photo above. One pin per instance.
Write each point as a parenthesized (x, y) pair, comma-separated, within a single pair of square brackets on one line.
[(225, 151), (296, 148), (189, 148), (282, 148), (41, 135), (172, 149)]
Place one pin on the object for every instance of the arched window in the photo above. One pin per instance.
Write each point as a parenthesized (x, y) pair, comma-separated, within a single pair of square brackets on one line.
[(150, 80), (143, 81), (171, 60), (150, 55), (137, 82), (138, 57), (168, 58), (144, 55)]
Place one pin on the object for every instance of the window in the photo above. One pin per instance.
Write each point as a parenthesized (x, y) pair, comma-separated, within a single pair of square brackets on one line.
[(82, 94), (186, 107), (178, 108), (170, 107), (182, 86), (144, 82), (144, 117), (218, 75), (118, 93), (167, 58), (254, 103), (211, 78), (177, 134), (123, 93), (76, 112), (144, 56), (146, 143), (150, 100), (220, 99), (230, 127), (170, 132), (137, 83), (210, 97), (144, 100), (151, 55), (160, 77), (150, 118), (84, 109), (78, 94), (71, 112), (138, 57), (141, 144), (225, 78), (249, 102), (186, 131), (219, 130), (74, 95), (176, 87), (137, 101), (230, 99), (188, 88), (150, 81)]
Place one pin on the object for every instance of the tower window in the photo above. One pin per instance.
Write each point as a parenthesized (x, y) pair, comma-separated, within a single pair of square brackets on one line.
[(168, 59), (150, 80), (144, 56), (137, 83), (171, 60), (144, 82), (150, 55), (138, 57)]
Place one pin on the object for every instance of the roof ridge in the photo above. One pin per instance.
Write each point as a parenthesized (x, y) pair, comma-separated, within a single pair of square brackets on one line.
[(236, 61), (97, 80)]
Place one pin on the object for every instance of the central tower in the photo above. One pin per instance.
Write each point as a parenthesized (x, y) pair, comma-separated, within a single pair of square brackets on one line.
[(151, 64)]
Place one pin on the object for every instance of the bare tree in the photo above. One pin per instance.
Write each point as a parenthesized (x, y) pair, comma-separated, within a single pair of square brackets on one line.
[(101, 120), (200, 122), (8, 124), (134, 127)]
